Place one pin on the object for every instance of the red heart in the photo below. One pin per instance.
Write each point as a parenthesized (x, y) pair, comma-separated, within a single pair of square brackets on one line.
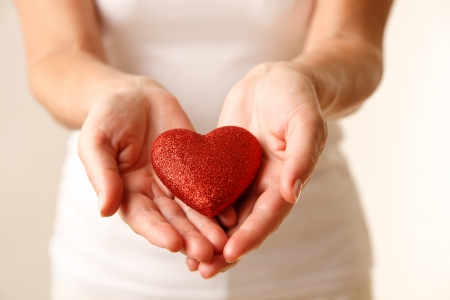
[(207, 172)]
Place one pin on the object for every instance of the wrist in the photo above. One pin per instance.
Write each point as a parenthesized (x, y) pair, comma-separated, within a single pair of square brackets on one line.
[(318, 81), (120, 87), (310, 75), (132, 94), (69, 84)]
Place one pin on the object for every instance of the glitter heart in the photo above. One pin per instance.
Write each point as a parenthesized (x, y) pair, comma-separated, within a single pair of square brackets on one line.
[(207, 172)]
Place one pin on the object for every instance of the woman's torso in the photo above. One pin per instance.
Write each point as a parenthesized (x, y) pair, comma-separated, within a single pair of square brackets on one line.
[(198, 49)]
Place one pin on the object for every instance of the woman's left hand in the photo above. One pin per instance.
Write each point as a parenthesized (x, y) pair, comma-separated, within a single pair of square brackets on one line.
[(276, 102)]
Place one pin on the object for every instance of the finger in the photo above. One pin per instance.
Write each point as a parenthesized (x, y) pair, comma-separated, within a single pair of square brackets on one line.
[(195, 245), (268, 212), (215, 266), (99, 160), (192, 264), (305, 139), (228, 217), (245, 209), (208, 227), (144, 218)]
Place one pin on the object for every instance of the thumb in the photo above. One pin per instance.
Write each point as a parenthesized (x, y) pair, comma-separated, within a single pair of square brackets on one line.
[(99, 159), (305, 138)]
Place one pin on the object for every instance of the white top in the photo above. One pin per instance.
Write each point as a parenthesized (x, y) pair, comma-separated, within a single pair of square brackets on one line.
[(198, 49)]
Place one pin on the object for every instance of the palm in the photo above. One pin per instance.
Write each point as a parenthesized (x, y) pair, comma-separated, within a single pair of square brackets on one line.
[(115, 144), (279, 106), (262, 208)]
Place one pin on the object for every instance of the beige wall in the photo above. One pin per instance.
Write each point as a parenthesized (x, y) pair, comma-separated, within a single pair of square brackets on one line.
[(31, 151), (399, 145)]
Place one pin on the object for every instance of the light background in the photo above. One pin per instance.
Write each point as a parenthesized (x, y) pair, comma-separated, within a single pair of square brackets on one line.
[(398, 146)]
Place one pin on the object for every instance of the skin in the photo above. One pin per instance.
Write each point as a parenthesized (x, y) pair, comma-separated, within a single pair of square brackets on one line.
[(284, 104)]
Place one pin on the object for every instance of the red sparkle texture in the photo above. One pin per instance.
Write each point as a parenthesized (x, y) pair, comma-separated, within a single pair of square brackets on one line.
[(207, 172)]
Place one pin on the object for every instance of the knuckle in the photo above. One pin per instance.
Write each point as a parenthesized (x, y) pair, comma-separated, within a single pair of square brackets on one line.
[(94, 177), (324, 138), (317, 122), (325, 131), (310, 162)]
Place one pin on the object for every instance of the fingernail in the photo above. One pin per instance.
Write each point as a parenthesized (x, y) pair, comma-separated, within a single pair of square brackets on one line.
[(297, 189), (238, 259), (100, 203)]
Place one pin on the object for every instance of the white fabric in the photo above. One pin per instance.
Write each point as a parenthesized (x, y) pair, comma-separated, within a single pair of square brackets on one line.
[(198, 49), (60, 291)]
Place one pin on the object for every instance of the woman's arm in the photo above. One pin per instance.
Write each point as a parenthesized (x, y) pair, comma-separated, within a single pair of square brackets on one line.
[(343, 52), (66, 64), (284, 104), (120, 115)]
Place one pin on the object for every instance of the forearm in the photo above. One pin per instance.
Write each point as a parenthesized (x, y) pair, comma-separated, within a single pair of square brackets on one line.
[(68, 83), (66, 64), (343, 72)]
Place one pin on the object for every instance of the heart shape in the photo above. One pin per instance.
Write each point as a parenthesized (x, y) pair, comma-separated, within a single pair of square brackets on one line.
[(207, 172)]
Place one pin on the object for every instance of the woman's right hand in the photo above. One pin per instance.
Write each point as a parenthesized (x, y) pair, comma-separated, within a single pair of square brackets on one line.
[(115, 144)]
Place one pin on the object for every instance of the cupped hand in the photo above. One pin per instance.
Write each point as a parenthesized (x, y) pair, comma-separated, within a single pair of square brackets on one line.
[(278, 104), (115, 144)]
